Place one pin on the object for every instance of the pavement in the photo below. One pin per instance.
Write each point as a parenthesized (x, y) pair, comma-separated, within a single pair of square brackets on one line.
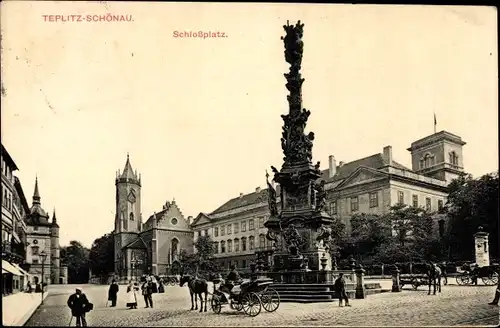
[(456, 305), (19, 307)]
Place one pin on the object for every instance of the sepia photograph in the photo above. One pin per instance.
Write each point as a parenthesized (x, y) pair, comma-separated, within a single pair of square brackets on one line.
[(249, 164)]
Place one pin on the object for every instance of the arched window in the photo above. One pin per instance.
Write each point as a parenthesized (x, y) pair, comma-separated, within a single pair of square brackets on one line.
[(222, 246), (229, 246), (236, 245), (453, 158), (243, 244), (131, 216), (174, 247), (262, 241), (251, 243)]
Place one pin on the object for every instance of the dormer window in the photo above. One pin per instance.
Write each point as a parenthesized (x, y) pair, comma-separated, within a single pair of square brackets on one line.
[(453, 158)]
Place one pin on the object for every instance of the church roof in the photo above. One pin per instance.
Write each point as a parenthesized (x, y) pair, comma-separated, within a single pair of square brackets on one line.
[(376, 161), (37, 215), (136, 244), (128, 172)]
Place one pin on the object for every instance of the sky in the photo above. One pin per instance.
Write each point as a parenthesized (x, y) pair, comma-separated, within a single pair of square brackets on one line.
[(200, 118)]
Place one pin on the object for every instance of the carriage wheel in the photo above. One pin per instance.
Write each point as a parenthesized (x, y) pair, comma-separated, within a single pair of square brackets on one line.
[(463, 279), (251, 304), (491, 279), (270, 300), (216, 304)]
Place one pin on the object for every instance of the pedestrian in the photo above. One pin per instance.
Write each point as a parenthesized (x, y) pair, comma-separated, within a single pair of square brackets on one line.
[(161, 288), (497, 295), (79, 305), (113, 293), (147, 292), (132, 295), (340, 289), (29, 287)]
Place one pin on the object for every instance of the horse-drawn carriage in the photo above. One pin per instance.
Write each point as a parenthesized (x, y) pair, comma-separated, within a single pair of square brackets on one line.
[(251, 297), (488, 274), (415, 280)]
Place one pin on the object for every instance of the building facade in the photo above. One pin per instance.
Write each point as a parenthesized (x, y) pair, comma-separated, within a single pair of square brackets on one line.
[(152, 247), (368, 185), (42, 253)]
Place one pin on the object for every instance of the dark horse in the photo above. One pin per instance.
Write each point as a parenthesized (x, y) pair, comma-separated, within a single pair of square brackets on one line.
[(434, 275), (197, 287)]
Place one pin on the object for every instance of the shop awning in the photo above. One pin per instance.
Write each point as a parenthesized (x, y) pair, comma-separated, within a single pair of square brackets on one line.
[(24, 273), (10, 268)]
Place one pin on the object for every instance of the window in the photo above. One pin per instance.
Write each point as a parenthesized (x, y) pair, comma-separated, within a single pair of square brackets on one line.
[(401, 197), (199, 233), (229, 229), (428, 204), (206, 232), (453, 158), (222, 246), (35, 228), (216, 232), (250, 224), (333, 207), (243, 226), (174, 247), (35, 261), (244, 263), (244, 244), (222, 232), (216, 247), (251, 243), (235, 227), (262, 241), (236, 245), (373, 199), (229, 246), (440, 205), (427, 161), (261, 222), (354, 204), (34, 250), (415, 200)]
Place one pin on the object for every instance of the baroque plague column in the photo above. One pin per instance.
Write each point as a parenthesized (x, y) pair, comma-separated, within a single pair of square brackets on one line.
[(300, 230)]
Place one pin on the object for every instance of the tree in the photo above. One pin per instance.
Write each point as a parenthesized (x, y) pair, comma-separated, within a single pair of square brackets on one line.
[(101, 255), (202, 259), (472, 203), (337, 237), (76, 258)]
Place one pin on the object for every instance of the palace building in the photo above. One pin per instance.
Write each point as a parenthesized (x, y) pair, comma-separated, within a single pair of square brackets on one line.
[(150, 247), (368, 185)]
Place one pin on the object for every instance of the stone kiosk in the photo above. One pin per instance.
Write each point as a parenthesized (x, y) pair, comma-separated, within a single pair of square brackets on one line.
[(299, 229)]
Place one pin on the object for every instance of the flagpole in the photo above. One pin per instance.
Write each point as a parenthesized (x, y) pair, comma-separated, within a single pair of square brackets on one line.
[(435, 123)]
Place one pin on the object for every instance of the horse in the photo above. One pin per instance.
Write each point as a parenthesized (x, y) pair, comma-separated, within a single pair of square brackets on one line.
[(197, 287), (434, 275)]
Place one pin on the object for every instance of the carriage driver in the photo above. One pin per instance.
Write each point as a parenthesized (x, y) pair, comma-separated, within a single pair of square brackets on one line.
[(232, 278)]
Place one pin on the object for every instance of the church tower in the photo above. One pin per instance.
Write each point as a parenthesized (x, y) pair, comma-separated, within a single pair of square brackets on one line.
[(438, 156), (55, 258), (128, 220)]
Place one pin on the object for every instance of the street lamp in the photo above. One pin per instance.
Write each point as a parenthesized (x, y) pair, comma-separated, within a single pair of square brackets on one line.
[(43, 257)]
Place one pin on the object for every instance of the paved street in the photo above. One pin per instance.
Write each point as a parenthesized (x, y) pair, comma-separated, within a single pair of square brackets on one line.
[(457, 305)]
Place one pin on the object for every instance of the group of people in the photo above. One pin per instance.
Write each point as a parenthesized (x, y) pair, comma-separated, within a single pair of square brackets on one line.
[(148, 288)]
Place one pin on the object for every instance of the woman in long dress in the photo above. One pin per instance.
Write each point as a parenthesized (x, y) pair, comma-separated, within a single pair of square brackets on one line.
[(132, 295)]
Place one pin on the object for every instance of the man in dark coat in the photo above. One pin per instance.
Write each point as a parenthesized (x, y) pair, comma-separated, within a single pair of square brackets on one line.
[(147, 292), (79, 305), (340, 290), (113, 293)]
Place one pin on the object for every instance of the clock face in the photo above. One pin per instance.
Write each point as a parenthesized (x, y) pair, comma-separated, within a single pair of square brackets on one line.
[(131, 196)]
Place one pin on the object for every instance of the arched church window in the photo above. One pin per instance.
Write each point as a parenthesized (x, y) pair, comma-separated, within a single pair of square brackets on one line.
[(453, 158), (131, 216), (174, 246)]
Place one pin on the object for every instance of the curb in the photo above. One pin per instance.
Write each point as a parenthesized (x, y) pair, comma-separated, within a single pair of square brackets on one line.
[(29, 314)]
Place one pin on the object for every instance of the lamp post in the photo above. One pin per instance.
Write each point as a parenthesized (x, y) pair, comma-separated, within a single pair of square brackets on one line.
[(43, 257)]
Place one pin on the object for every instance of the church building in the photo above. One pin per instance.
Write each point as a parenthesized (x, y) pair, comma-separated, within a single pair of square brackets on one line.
[(150, 247)]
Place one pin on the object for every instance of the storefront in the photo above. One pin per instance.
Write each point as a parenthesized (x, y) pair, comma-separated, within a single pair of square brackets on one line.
[(12, 279)]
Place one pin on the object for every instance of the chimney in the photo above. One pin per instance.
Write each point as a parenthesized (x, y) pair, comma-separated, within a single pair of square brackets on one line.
[(241, 195), (190, 220), (388, 154), (341, 163), (332, 166), (257, 190)]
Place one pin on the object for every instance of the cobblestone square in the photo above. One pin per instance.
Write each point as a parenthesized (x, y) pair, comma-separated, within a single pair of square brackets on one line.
[(456, 305)]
